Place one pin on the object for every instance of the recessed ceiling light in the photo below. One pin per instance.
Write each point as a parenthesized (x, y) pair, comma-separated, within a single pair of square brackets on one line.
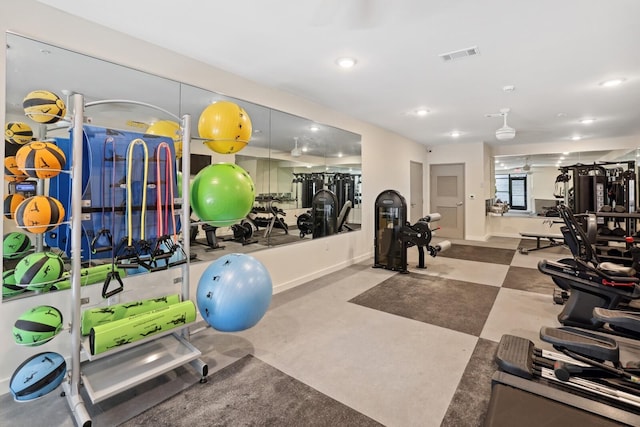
[(612, 82), (566, 153), (314, 128), (587, 121), (421, 112), (455, 134), (305, 149), (576, 138), (561, 158), (346, 62)]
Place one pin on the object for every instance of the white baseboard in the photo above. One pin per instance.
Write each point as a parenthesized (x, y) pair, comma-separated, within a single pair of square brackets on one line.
[(317, 274)]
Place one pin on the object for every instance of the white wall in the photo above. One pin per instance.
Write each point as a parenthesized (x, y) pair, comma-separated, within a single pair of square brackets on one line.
[(477, 177), (288, 265)]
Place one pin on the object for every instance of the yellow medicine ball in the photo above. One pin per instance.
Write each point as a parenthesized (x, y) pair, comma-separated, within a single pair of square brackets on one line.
[(226, 127), (18, 133), (43, 106)]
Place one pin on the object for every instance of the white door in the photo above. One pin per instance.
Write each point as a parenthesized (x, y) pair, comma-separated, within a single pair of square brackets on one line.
[(447, 199), (416, 200)]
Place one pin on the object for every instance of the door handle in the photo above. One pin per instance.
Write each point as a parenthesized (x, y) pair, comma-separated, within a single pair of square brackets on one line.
[(459, 204)]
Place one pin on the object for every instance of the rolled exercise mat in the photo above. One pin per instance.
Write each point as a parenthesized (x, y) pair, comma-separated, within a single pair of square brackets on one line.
[(88, 276), (134, 328), (100, 315)]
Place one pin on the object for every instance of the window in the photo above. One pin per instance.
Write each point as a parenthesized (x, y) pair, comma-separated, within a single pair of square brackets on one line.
[(512, 189)]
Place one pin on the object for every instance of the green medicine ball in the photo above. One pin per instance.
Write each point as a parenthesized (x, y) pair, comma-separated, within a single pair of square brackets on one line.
[(222, 194), (39, 271), (37, 326), (15, 244), (9, 287)]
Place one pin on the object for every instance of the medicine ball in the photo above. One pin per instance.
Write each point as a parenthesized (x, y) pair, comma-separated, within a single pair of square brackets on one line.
[(37, 376), (37, 326), (9, 287), (11, 202), (43, 106), (15, 244), (39, 214), (12, 172), (39, 270), (40, 159), (17, 133)]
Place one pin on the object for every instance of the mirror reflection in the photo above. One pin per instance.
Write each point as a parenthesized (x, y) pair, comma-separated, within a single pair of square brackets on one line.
[(532, 185), (289, 159)]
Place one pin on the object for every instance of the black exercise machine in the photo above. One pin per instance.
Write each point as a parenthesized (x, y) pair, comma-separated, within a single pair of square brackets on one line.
[(394, 234), (590, 283), (306, 221), (584, 379)]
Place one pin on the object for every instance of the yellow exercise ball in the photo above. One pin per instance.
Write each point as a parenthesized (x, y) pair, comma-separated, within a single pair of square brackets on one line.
[(169, 129), (226, 126)]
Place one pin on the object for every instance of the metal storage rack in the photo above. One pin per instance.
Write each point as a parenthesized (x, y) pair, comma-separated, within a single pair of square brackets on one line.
[(113, 372)]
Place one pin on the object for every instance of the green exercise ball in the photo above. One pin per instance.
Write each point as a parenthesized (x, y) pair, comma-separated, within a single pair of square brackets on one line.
[(222, 194)]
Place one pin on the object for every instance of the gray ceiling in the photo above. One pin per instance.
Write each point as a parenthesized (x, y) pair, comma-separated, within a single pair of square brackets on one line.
[(555, 52)]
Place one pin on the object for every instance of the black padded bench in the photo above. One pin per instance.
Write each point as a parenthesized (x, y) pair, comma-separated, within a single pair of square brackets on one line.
[(554, 240)]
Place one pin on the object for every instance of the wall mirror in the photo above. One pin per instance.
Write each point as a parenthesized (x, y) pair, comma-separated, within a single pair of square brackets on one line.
[(287, 157), (529, 185)]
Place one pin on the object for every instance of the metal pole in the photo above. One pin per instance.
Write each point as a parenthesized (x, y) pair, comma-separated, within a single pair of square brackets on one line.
[(186, 211), (72, 391)]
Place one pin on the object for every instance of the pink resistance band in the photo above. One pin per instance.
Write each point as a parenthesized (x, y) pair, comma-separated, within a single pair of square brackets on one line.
[(162, 221)]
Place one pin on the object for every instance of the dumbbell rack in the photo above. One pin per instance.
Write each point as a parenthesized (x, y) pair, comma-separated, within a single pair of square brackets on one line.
[(127, 366)]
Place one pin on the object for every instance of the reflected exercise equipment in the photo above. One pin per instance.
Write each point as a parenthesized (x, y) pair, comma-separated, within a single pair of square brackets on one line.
[(394, 234), (324, 213), (321, 218)]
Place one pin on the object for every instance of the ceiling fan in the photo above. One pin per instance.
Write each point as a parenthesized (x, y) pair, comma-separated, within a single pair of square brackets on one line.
[(296, 152), (506, 132)]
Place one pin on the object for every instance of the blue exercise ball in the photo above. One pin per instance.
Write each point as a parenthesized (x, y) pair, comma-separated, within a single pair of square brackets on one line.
[(234, 293)]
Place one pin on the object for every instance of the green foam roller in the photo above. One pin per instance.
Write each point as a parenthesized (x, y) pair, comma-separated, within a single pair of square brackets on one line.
[(99, 316), (140, 326), (88, 276)]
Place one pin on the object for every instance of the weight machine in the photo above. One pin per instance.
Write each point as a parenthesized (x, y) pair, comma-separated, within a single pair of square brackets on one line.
[(394, 234)]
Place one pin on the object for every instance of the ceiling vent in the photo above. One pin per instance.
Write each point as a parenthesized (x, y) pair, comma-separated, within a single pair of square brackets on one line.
[(462, 53)]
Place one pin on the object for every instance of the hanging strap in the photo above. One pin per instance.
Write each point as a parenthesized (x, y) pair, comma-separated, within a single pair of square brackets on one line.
[(165, 245), (127, 251), (103, 239), (114, 274), (162, 223), (145, 167)]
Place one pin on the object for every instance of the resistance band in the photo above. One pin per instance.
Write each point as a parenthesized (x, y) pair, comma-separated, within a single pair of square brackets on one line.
[(166, 245), (129, 254), (163, 222), (114, 274), (103, 239)]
